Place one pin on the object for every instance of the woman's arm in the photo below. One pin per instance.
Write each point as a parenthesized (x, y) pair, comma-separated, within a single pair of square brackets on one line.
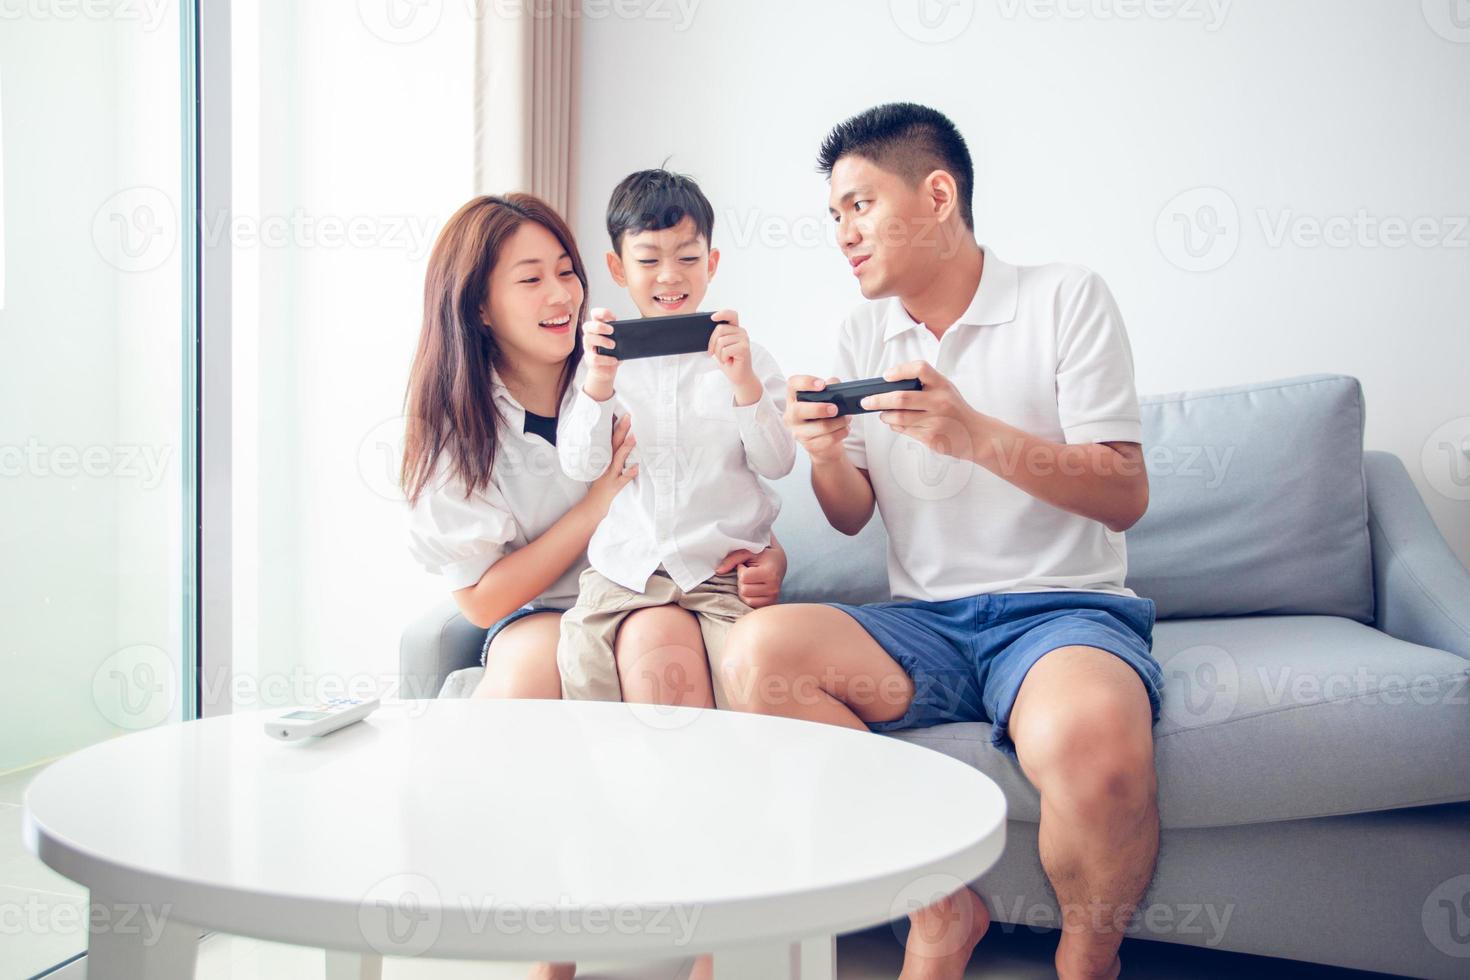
[(527, 572)]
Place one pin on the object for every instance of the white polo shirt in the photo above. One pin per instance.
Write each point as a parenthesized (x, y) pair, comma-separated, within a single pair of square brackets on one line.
[(1042, 348), (459, 537)]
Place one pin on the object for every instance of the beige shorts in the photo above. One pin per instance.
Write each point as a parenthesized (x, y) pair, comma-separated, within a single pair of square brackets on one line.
[(589, 671)]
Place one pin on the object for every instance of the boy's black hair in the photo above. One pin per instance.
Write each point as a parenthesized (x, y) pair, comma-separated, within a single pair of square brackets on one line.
[(909, 140), (652, 200)]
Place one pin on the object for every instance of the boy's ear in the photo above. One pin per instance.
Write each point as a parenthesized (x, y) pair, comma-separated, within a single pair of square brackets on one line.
[(714, 261), (615, 269)]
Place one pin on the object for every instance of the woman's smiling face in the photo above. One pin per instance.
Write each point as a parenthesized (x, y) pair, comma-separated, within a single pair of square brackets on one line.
[(534, 296)]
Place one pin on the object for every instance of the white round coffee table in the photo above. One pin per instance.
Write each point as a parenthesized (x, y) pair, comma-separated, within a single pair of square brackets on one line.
[(509, 830)]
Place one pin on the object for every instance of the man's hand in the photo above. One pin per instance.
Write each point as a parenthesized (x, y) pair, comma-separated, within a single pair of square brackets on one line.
[(813, 423), (759, 576), (601, 368), (729, 345), (938, 417)]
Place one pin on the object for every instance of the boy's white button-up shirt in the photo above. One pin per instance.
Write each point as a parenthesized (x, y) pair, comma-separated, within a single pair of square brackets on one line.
[(698, 495), (1042, 348)]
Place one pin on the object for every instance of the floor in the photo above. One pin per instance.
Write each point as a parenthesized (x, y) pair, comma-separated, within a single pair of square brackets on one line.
[(41, 924)]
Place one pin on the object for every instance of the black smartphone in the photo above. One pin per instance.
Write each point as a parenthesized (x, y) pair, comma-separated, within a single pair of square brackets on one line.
[(848, 395), (655, 336)]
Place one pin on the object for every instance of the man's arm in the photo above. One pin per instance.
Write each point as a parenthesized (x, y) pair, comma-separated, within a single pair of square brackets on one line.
[(842, 488), (1103, 481)]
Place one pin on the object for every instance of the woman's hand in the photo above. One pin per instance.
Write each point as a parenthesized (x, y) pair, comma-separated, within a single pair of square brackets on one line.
[(759, 576), (618, 473)]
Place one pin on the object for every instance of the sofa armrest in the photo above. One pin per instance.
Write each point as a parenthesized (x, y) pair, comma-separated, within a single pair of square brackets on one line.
[(1422, 591), (436, 644)]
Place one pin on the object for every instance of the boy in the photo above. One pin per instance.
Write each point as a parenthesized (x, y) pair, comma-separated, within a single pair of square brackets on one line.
[(707, 426)]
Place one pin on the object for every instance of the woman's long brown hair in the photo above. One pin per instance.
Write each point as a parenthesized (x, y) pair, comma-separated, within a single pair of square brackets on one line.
[(449, 406)]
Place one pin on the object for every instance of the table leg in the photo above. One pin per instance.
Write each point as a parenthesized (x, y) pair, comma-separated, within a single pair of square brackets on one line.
[(128, 941), (812, 959), (353, 966)]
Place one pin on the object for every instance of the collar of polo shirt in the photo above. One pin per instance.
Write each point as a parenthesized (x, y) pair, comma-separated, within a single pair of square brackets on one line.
[(994, 301)]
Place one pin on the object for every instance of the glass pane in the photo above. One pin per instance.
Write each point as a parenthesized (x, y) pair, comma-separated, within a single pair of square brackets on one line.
[(352, 144), (92, 471)]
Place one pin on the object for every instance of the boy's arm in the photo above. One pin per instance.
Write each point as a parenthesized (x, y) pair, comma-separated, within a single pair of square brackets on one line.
[(769, 448), (584, 437)]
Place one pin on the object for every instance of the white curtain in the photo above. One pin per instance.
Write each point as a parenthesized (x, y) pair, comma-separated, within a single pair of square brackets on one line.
[(526, 58)]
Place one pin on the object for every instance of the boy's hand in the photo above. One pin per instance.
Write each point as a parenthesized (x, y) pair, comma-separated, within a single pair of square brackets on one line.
[(938, 416), (813, 423), (729, 345), (601, 368)]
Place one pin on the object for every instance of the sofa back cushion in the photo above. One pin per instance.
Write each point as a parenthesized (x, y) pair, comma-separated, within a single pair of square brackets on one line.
[(1257, 502), (826, 565)]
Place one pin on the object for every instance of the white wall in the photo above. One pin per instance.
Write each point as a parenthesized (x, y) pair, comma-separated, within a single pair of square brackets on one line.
[(1086, 125)]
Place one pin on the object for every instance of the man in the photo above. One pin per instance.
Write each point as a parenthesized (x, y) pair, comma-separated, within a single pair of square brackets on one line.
[(1005, 484)]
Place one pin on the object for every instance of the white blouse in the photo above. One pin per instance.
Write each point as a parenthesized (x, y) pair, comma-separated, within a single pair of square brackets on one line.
[(460, 538)]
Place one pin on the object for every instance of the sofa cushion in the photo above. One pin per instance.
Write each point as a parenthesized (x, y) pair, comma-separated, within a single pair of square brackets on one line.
[(1258, 502), (1282, 718), (823, 564)]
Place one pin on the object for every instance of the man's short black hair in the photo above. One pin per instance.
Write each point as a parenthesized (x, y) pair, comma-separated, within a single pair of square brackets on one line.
[(909, 140), (652, 200)]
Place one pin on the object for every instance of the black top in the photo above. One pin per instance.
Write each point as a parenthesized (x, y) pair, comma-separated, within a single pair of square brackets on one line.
[(541, 425)]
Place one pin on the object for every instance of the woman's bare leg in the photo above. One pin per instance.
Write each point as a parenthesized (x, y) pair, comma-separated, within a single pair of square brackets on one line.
[(661, 659), (522, 660)]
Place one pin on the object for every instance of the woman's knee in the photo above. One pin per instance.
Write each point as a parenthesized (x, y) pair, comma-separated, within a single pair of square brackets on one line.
[(521, 662)]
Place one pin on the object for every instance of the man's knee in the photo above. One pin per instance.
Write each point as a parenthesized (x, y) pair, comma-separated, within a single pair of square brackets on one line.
[(1091, 750)]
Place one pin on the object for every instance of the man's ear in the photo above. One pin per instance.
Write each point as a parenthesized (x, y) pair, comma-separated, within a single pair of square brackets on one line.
[(714, 261), (943, 194), (615, 269)]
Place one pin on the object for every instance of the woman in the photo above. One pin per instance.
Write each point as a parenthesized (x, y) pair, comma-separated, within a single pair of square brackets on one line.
[(492, 512)]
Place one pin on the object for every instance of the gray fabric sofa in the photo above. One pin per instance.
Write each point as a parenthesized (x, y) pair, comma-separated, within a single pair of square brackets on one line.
[(1314, 629)]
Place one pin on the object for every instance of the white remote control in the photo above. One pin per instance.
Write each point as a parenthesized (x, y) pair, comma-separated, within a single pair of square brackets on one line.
[(319, 719)]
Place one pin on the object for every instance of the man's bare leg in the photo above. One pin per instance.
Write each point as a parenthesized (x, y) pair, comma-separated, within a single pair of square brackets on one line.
[(816, 663), (1083, 732)]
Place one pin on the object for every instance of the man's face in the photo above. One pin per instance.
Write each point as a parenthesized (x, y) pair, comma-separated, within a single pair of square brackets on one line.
[(666, 272), (886, 228)]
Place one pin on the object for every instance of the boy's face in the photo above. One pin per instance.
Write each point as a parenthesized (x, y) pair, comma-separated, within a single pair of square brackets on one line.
[(666, 272)]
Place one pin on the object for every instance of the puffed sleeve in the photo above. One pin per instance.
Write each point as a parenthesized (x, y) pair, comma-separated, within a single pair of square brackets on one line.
[(457, 537)]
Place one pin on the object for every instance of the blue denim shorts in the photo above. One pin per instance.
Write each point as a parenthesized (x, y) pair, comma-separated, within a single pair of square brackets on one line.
[(967, 657), (495, 628)]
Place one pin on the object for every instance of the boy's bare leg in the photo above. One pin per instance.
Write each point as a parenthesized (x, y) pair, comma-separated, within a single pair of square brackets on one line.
[(816, 663), (1083, 731), (660, 654), (522, 660)]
